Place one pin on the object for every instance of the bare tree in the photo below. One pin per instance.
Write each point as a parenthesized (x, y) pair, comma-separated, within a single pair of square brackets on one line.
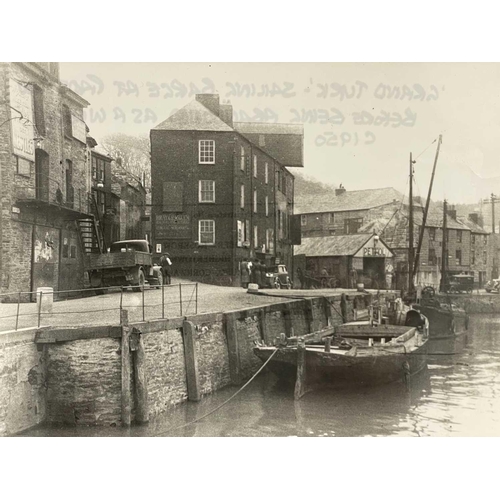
[(134, 152)]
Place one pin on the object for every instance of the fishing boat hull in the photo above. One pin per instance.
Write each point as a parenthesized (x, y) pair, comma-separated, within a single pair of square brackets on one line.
[(367, 365), (445, 323)]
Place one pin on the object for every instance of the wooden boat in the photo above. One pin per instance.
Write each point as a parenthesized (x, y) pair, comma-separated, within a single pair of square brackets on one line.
[(365, 352), (445, 320)]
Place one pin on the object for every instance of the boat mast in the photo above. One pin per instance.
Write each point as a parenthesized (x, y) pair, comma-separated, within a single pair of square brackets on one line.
[(426, 212), (410, 230), (444, 254)]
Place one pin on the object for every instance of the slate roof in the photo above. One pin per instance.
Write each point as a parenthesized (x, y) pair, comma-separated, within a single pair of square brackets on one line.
[(348, 201), (475, 228), (268, 128), (328, 246), (194, 116), (393, 227)]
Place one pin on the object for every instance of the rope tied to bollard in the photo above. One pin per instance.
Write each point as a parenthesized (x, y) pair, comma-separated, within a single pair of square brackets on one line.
[(225, 402)]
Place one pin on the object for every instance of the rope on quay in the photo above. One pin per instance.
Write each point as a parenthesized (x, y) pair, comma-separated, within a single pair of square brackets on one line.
[(225, 402)]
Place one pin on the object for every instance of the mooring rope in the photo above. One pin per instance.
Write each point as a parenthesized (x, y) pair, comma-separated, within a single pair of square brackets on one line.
[(225, 402)]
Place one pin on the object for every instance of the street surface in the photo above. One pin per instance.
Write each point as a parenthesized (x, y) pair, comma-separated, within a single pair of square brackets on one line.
[(105, 309)]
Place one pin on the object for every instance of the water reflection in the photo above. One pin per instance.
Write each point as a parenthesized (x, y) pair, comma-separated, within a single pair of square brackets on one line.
[(457, 395)]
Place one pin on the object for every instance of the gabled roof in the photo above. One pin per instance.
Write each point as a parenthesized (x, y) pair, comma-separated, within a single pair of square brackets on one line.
[(347, 201), (328, 246), (475, 228), (194, 116)]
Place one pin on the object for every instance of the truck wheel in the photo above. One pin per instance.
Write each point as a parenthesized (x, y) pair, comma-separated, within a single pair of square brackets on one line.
[(140, 282)]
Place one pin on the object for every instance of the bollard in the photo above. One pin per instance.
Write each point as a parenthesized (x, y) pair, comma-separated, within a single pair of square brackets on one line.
[(300, 382), (180, 296), (196, 303), (328, 343)]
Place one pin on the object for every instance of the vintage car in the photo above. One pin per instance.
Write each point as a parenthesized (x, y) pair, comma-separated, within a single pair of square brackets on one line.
[(460, 283), (493, 286), (277, 277)]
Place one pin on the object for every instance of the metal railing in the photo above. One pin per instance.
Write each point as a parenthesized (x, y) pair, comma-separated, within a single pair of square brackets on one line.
[(20, 310)]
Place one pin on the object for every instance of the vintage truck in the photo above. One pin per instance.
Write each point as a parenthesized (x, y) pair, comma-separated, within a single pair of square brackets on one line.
[(127, 263)]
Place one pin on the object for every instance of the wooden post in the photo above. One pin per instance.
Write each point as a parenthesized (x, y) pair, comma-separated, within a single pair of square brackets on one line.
[(287, 314), (328, 343), (309, 314), (191, 360), (232, 349), (300, 382), (125, 348), (140, 380), (328, 311), (343, 307), (263, 324)]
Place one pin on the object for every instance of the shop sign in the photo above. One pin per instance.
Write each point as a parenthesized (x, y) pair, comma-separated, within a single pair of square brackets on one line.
[(21, 114), (172, 226), (374, 248)]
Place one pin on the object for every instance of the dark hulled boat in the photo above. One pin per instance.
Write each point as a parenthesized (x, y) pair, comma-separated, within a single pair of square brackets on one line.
[(362, 352)]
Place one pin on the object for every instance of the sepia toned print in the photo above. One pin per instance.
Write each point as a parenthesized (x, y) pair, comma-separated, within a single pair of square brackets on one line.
[(249, 249)]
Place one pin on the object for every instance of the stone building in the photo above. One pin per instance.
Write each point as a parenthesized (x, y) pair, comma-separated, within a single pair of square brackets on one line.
[(120, 200), (221, 191), (345, 212), (45, 179), (467, 244)]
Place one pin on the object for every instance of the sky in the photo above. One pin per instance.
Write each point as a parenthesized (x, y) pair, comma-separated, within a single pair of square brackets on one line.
[(361, 120)]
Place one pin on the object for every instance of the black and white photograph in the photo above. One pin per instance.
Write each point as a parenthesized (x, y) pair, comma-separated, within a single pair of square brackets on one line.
[(260, 248)]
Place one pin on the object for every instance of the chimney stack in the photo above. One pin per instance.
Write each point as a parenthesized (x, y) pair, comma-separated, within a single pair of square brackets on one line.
[(340, 190), (210, 101), (226, 114), (452, 212)]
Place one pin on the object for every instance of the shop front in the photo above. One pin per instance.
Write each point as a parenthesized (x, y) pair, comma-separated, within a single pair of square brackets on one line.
[(346, 260)]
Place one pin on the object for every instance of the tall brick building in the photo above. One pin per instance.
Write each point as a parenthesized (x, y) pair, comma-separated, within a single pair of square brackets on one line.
[(44, 174), (221, 191)]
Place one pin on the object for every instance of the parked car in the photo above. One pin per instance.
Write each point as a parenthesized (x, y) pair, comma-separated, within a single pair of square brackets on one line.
[(493, 286), (277, 277), (460, 283)]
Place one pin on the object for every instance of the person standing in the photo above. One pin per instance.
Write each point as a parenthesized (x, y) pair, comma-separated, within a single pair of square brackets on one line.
[(166, 268), (245, 274), (258, 273), (300, 276)]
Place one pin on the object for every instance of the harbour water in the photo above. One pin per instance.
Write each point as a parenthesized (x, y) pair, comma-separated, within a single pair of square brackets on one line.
[(457, 395)]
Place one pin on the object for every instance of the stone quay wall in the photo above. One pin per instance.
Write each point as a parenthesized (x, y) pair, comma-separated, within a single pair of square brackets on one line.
[(74, 375)]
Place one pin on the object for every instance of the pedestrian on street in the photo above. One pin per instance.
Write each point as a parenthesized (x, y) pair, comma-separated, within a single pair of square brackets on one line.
[(245, 274), (300, 275), (258, 273), (166, 268)]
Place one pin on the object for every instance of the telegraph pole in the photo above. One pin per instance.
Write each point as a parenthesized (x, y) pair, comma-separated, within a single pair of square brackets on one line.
[(410, 230), (493, 213), (444, 247)]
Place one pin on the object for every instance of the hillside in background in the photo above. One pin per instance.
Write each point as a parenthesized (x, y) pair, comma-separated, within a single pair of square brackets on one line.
[(307, 186)]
